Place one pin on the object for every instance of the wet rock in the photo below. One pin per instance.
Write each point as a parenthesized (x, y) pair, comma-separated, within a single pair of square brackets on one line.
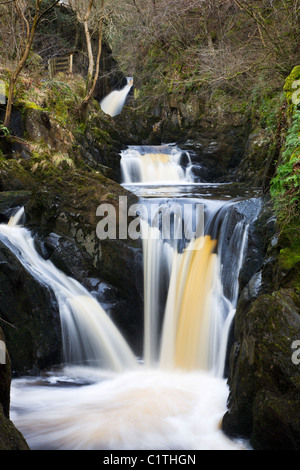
[(260, 232), (10, 201), (10, 437), (264, 380), (257, 163), (30, 316)]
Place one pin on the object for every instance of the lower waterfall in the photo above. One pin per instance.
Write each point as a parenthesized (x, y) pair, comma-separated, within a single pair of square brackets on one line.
[(175, 397)]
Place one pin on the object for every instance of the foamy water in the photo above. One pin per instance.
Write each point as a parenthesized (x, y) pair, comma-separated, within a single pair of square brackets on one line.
[(113, 103), (146, 409)]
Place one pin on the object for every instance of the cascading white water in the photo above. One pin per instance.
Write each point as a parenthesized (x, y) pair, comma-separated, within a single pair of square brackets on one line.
[(88, 333), (197, 314), (160, 164), (174, 400), (113, 103)]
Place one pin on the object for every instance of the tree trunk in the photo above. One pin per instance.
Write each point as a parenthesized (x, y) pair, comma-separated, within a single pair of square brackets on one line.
[(24, 57), (90, 55), (97, 70), (18, 70)]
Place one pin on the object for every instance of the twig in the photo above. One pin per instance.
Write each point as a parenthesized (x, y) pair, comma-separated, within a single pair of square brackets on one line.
[(4, 321)]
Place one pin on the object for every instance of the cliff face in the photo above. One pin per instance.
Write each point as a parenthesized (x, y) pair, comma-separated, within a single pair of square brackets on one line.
[(264, 373), (10, 437)]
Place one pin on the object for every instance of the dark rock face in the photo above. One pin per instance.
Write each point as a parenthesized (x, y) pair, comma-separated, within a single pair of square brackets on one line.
[(5, 377), (100, 146), (216, 144), (29, 310), (10, 201), (256, 166), (263, 375), (265, 383), (10, 437)]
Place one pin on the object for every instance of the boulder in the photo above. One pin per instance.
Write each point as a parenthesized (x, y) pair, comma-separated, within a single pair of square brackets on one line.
[(256, 166), (42, 128), (30, 316), (265, 380), (10, 436)]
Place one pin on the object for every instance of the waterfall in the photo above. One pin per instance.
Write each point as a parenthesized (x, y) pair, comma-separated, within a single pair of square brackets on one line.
[(89, 336), (113, 103), (160, 164), (189, 328), (197, 312)]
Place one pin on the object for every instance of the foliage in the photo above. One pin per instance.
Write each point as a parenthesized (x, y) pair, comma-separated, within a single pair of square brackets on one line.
[(4, 131), (285, 185), (179, 46)]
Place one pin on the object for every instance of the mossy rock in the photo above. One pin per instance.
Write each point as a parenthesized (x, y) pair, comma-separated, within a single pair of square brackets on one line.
[(290, 81), (256, 165), (14, 177), (10, 437), (67, 205)]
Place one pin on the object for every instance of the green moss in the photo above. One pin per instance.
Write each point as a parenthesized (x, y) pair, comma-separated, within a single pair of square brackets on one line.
[(285, 185), (13, 176), (31, 105), (290, 257), (101, 135), (289, 86)]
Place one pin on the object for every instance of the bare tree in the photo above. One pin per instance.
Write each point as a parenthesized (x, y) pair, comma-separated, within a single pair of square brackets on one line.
[(30, 25), (83, 10), (91, 89), (91, 15)]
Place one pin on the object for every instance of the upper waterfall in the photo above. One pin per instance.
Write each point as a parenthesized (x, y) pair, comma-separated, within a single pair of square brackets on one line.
[(113, 103)]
